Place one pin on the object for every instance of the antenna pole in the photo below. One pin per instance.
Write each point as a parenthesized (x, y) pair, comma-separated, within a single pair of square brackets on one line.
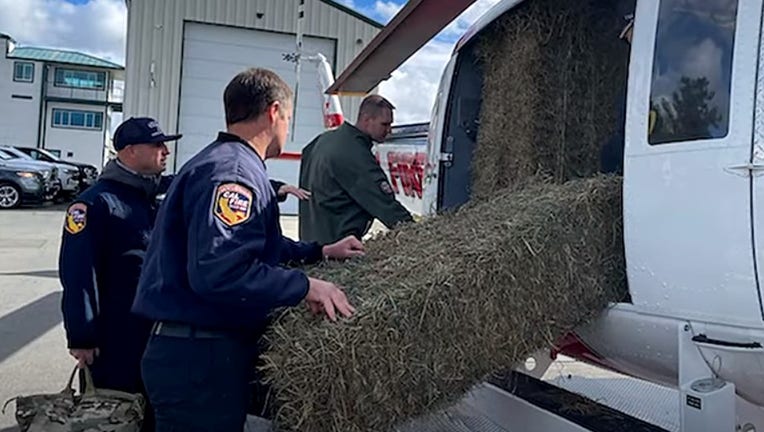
[(300, 23)]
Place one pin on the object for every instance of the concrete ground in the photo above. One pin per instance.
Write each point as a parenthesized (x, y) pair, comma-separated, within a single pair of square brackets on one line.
[(33, 355)]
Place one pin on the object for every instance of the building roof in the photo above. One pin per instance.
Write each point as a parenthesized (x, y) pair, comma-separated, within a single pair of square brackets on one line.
[(61, 56), (341, 7), (352, 12)]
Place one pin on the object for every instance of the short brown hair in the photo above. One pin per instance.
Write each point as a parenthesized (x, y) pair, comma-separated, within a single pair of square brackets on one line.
[(373, 105), (251, 92)]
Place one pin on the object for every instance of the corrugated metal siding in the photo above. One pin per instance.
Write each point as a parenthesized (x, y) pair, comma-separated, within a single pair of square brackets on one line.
[(155, 40)]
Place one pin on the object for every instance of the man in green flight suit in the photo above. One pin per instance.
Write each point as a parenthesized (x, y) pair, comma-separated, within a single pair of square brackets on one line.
[(348, 188)]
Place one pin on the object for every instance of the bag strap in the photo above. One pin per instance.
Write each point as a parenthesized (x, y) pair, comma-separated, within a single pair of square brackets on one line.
[(89, 386), (69, 388), (5, 405)]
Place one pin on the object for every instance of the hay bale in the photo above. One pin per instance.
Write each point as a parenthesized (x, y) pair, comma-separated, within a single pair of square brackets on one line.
[(445, 302), (553, 71)]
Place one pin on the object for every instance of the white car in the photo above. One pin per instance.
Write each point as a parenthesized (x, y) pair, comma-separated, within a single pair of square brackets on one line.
[(68, 174)]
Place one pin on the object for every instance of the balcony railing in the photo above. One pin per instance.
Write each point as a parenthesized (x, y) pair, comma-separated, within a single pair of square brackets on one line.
[(115, 94)]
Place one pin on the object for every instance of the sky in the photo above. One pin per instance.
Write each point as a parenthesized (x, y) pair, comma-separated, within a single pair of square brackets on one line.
[(98, 27)]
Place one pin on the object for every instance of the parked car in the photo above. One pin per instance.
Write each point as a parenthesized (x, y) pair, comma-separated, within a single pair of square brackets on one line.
[(88, 173), (22, 182), (68, 174)]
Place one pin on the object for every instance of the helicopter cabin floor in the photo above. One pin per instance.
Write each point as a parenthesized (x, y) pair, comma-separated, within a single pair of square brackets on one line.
[(571, 397)]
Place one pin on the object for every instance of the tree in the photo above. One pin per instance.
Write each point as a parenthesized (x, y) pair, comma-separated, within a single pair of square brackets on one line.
[(690, 115)]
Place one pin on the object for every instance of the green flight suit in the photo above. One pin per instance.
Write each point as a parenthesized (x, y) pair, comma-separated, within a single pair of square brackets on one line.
[(348, 188)]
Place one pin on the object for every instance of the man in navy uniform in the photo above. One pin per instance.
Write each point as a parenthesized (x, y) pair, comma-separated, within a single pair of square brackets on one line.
[(106, 233), (215, 269)]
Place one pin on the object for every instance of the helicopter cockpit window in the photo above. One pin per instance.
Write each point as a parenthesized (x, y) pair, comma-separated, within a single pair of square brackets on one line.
[(692, 70)]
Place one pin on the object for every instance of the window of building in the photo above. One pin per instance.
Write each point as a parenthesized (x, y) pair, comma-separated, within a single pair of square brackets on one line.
[(23, 72), (77, 119), (80, 79), (692, 70)]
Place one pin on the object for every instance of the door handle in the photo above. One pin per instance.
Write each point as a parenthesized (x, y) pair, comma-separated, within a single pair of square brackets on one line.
[(746, 169)]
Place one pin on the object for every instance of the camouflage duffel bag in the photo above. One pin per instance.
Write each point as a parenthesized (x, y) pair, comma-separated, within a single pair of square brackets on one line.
[(94, 410)]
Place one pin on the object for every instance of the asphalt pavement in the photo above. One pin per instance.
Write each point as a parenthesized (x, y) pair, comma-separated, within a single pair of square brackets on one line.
[(33, 356)]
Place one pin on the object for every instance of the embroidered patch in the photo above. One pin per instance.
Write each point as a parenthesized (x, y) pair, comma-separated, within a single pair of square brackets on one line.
[(233, 203), (76, 218), (386, 188)]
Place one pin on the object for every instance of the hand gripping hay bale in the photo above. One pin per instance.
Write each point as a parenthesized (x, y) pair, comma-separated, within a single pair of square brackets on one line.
[(443, 303)]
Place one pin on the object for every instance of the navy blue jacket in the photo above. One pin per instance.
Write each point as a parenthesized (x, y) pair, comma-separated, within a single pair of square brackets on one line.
[(106, 233), (216, 258)]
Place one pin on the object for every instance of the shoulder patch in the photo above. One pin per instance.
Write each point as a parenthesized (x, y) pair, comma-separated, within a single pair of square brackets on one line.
[(233, 203), (76, 218)]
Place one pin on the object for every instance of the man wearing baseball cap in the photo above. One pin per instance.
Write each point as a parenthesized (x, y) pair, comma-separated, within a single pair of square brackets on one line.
[(105, 237)]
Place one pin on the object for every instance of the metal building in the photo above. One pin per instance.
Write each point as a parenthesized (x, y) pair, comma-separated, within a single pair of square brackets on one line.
[(182, 53)]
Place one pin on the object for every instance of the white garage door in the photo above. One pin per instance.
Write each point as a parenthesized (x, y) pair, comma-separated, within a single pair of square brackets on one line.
[(212, 55)]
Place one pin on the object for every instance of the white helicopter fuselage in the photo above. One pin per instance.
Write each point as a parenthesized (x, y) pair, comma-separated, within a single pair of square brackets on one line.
[(693, 196)]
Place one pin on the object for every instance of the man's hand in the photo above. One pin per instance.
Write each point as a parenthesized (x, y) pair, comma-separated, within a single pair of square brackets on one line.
[(301, 194), (84, 356), (346, 248), (325, 296)]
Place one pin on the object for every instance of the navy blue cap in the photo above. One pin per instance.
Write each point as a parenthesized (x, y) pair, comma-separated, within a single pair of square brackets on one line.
[(140, 130)]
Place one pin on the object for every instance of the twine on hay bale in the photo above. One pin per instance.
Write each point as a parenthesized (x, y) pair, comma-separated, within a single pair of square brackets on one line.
[(445, 302)]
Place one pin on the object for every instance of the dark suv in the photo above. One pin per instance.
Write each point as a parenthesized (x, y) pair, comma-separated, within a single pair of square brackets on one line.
[(23, 185)]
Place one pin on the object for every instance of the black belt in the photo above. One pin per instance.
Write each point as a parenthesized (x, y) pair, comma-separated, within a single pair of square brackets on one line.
[(170, 329)]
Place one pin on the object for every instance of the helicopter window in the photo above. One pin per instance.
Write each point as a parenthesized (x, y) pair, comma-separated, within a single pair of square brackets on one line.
[(692, 70)]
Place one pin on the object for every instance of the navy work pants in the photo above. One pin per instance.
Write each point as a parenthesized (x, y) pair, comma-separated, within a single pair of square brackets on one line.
[(199, 384)]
